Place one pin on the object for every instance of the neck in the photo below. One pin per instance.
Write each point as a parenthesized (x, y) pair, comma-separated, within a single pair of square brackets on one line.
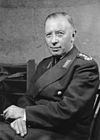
[(70, 48)]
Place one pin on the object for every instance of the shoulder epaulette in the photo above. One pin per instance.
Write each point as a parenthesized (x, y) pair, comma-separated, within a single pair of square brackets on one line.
[(85, 57)]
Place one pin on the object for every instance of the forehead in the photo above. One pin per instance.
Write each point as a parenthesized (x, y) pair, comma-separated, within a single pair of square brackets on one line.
[(59, 22)]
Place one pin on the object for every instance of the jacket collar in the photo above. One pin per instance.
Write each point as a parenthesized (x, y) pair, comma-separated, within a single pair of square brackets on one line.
[(57, 71)]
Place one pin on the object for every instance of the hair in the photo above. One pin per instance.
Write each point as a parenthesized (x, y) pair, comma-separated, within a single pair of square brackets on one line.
[(56, 14)]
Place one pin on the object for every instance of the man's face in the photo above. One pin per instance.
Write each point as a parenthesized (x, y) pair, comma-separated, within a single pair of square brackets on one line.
[(58, 34)]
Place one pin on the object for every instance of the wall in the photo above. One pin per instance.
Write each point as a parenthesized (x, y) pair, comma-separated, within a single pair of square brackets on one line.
[(22, 27)]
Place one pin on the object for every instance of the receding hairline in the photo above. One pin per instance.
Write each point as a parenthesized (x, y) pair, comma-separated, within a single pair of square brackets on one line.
[(64, 14)]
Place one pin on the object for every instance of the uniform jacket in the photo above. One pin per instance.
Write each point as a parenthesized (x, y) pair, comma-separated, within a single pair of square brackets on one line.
[(60, 99)]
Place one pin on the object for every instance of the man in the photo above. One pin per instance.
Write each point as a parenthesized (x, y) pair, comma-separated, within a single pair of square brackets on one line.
[(59, 102)]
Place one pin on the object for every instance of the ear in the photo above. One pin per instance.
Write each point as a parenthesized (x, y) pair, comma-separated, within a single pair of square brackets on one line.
[(73, 36), (74, 33)]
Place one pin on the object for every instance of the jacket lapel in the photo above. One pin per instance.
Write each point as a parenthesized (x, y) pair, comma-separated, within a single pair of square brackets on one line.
[(56, 72)]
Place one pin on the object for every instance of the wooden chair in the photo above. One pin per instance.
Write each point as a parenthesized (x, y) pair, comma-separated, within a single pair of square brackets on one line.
[(95, 126)]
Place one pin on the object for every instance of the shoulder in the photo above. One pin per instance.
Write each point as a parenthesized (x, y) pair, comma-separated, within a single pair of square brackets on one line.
[(84, 59), (44, 61), (81, 57)]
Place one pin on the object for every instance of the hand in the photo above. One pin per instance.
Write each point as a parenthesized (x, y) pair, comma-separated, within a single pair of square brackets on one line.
[(14, 112), (19, 126)]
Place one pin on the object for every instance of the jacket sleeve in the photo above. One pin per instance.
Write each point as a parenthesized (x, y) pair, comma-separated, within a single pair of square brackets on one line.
[(80, 91)]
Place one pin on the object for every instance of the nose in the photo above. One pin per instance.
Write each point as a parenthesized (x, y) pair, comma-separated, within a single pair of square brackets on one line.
[(54, 43), (54, 40)]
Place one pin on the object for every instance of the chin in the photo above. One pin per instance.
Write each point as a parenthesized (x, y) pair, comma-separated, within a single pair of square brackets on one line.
[(56, 53)]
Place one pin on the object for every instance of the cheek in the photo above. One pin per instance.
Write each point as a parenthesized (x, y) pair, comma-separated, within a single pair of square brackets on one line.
[(66, 43), (66, 40), (47, 41)]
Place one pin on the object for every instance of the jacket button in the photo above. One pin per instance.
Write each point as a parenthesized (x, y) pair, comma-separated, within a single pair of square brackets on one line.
[(59, 92)]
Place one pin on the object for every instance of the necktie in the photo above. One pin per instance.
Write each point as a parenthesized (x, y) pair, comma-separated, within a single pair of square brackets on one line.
[(55, 59)]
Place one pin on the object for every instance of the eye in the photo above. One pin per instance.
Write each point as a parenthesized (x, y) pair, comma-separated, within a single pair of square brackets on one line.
[(48, 35), (59, 33)]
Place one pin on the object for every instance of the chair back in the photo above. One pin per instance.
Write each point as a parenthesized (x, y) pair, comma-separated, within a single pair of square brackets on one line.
[(31, 66), (96, 119)]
